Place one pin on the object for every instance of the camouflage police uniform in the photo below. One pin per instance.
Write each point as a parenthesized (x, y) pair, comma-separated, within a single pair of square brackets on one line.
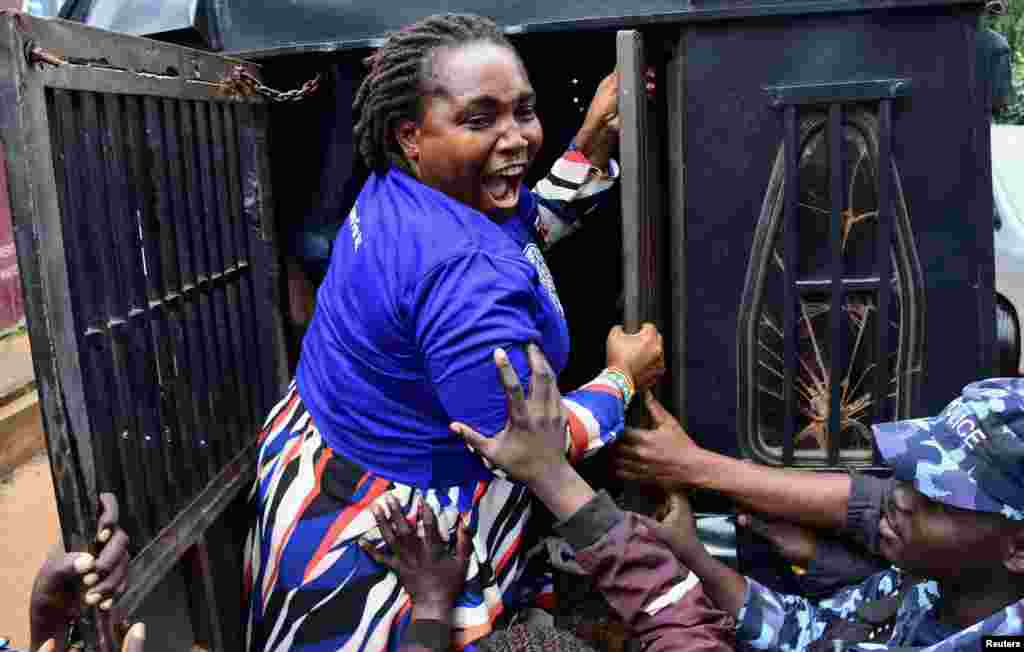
[(971, 456)]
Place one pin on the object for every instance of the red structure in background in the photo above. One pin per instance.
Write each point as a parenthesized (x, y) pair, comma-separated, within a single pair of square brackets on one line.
[(12, 309)]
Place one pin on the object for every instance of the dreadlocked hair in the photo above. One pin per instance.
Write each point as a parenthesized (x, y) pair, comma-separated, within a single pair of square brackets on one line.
[(531, 638), (391, 91)]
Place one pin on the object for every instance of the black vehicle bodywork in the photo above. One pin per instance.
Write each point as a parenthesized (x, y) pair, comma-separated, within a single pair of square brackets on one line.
[(884, 255)]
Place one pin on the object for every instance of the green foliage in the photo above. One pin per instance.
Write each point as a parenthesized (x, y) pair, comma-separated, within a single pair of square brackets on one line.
[(1011, 25)]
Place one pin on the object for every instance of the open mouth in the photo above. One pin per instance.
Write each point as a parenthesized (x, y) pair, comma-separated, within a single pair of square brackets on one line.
[(502, 186)]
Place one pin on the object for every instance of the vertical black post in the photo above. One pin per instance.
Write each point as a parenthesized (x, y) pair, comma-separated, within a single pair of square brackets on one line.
[(883, 259), (250, 369), (140, 343), (206, 372), (162, 287), (634, 182), (790, 295), (836, 197), (173, 309), (123, 229), (214, 297)]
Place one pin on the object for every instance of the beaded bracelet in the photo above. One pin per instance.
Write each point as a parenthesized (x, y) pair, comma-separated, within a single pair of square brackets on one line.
[(622, 381)]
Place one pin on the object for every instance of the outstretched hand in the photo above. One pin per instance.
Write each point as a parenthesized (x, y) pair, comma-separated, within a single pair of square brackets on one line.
[(533, 441), (69, 581), (431, 574), (664, 455)]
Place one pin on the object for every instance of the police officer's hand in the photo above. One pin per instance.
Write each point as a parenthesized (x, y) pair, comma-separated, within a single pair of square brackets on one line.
[(664, 455)]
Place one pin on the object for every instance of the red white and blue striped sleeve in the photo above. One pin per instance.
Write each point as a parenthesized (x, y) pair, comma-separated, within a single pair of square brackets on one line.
[(572, 189), (597, 415)]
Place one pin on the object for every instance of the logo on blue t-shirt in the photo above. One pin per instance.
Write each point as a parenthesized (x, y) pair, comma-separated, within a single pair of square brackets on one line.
[(357, 234), (536, 258)]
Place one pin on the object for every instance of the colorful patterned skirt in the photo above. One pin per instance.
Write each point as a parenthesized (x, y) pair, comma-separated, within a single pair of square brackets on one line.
[(310, 585)]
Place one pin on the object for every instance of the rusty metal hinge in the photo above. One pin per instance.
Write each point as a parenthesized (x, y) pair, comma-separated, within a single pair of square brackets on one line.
[(35, 54)]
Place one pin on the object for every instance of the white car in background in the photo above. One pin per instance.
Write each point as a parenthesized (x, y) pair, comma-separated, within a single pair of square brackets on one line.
[(1008, 190)]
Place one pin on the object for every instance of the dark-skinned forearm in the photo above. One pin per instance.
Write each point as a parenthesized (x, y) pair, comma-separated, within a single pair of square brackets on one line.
[(430, 629), (723, 586), (817, 500), (44, 626), (562, 490)]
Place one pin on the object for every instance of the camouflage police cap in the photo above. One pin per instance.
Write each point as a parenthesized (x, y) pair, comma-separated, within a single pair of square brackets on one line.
[(971, 456)]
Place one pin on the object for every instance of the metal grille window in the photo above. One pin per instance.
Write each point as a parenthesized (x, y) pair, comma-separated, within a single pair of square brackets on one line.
[(831, 321), (140, 191)]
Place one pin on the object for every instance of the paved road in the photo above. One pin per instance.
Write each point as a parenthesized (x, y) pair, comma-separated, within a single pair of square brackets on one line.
[(28, 514)]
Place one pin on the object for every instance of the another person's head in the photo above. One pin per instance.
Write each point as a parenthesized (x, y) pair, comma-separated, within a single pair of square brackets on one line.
[(957, 512), (531, 638), (448, 100)]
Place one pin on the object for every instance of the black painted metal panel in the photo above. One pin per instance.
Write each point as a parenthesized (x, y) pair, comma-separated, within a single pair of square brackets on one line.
[(271, 29), (110, 184), (733, 134)]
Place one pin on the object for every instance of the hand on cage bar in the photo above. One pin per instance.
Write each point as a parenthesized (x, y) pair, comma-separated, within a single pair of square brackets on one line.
[(641, 355), (68, 581), (665, 455)]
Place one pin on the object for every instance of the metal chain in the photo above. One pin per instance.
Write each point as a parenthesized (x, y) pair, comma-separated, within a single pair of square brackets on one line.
[(242, 82), (996, 7)]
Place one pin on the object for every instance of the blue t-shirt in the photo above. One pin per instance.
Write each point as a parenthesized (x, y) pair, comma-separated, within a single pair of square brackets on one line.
[(420, 291)]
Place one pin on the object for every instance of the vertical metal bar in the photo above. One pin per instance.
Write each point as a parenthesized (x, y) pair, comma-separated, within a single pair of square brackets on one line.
[(228, 425), (101, 306), (138, 351), (71, 496), (104, 275), (174, 305), (144, 340), (790, 294), (82, 238), (201, 331), (257, 206), (74, 215), (123, 229), (163, 292), (884, 385), (249, 369), (677, 153), (633, 151), (837, 199), (234, 352), (206, 610), (131, 339)]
